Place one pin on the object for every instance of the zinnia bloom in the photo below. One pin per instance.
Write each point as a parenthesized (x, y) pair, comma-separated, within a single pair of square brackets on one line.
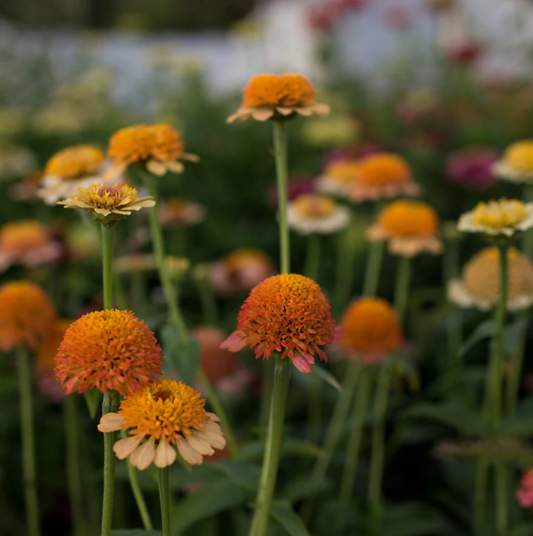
[(240, 270), (177, 212), (472, 167), (158, 148), (144, 262), (287, 314), (498, 218), (516, 164), (70, 169), (108, 204), (27, 242), (525, 493), (164, 413), (26, 315), (338, 178), (382, 176), (314, 213), (271, 96), (371, 330), (410, 227), (108, 350), (479, 285)]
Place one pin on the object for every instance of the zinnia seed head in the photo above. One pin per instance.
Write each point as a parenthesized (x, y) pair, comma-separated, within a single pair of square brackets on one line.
[(27, 315), (75, 162), (108, 350), (499, 214), (383, 169), (409, 219), (278, 90)]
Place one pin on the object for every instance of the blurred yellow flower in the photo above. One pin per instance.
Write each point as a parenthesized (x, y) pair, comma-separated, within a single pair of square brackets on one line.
[(516, 164)]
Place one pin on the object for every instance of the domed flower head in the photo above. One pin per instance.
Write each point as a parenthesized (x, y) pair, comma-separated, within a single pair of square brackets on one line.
[(27, 242), (516, 164), (177, 212), (371, 330), (163, 415), (287, 314), (240, 270), (472, 167), (27, 315), (338, 178), (382, 176), (158, 148), (69, 170), (410, 228), (479, 285), (501, 218), (275, 96), (108, 204), (524, 494), (315, 213), (108, 350)]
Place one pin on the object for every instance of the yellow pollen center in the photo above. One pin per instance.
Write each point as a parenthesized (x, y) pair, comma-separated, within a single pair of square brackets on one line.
[(75, 162), (314, 206), (383, 169), (499, 214), (519, 156), (409, 218), (106, 197), (278, 90), (343, 171)]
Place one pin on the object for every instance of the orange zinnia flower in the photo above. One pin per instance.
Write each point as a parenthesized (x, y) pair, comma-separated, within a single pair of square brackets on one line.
[(108, 350), (268, 96), (167, 413), (26, 315), (287, 314)]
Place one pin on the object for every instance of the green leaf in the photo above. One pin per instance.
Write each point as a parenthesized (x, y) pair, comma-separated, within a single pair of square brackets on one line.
[(298, 488), (513, 335), (483, 331), (283, 513), (301, 447), (219, 496), (524, 529), (452, 414), (181, 355), (93, 399), (517, 427), (327, 377), (135, 532), (241, 473)]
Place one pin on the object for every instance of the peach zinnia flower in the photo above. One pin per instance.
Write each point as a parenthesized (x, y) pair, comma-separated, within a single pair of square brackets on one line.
[(27, 242), (371, 330), (271, 96), (158, 148), (70, 169), (338, 178), (410, 227), (167, 413), (177, 212), (108, 350), (382, 176), (26, 315), (525, 493), (315, 213), (479, 285), (287, 314)]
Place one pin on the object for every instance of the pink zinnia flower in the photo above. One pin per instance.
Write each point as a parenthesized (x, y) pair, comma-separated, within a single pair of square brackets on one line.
[(472, 167), (524, 494)]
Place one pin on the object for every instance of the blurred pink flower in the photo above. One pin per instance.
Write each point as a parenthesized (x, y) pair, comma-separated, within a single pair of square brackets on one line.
[(524, 494), (297, 186), (471, 167), (465, 53)]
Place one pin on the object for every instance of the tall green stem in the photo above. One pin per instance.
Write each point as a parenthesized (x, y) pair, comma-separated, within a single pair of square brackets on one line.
[(28, 443), (312, 261), (403, 280), (72, 449), (527, 238), (373, 268), (453, 325), (272, 448), (280, 156), (107, 265), (345, 266), (164, 497)]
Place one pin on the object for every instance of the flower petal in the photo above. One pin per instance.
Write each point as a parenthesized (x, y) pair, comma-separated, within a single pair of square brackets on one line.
[(188, 453), (234, 342), (156, 168), (214, 439), (124, 447), (303, 362), (144, 455), (200, 445), (164, 455), (110, 422)]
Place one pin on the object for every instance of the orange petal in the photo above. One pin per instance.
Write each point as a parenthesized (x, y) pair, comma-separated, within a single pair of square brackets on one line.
[(156, 168), (200, 445), (164, 455), (262, 114), (144, 455), (124, 447), (110, 422), (188, 453), (215, 440)]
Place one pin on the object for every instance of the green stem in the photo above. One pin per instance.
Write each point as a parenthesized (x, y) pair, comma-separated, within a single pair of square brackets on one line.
[(28, 443), (403, 279), (137, 493), (378, 440), (515, 372), (312, 261), (453, 325), (109, 405), (272, 448), (72, 449), (345, 266), (373, 268), (480, 497), (354, 440), (164, 497), (527, 238), (107, 265), (280, 157)]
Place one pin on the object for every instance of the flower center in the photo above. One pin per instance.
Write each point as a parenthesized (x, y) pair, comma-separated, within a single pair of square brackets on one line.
[(75, 162), (106, 197), (382, 169), (409, 218), (343, 171), (278, 90), (314, 206), (21, 236), (108, 191), (519, 156), (499, 214)]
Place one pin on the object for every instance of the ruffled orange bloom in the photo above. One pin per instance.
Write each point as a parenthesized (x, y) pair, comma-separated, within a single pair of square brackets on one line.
[(268, 96), (108, 350), (26, 315), (159, 148), (382, 176), (410, 227), (287, 314), (27, 242), (165, 413), (371, 330)]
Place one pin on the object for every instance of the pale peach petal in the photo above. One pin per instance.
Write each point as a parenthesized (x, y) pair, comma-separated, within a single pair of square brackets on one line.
[(212, 427), (164, 455), (283, 110), (110, 422), (303, 111), (319, 108), (199, 445), (190, 157), (124, 447), (188, 453), (144, 455), (214, 439), (174, 166), (212, 416), (102, 211), (113, 171), (156, 168), (241, 113), (262, 114)]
